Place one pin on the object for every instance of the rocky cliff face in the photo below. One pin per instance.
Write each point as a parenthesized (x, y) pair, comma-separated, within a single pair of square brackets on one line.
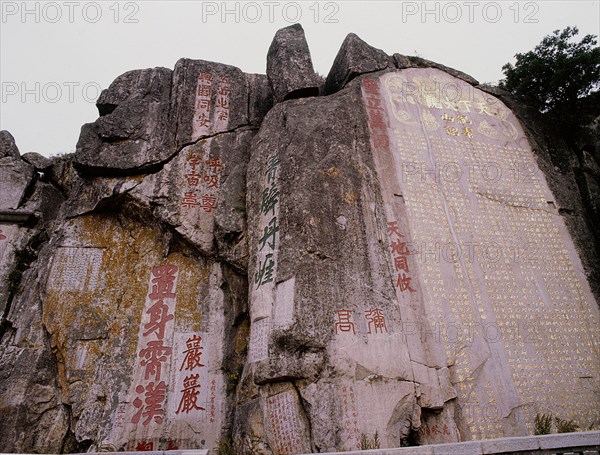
[(232, 258)]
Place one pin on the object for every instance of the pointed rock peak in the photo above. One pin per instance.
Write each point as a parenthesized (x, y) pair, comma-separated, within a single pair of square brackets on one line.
[(8, 147), (289, 66), (355, 57)]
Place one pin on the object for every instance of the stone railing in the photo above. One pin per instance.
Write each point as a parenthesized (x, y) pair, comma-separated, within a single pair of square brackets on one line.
[(581, 443)]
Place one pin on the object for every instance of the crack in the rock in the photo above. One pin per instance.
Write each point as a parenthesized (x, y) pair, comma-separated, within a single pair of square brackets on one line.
[(29, 190), (509, 204), (303, 407), (23, 260)]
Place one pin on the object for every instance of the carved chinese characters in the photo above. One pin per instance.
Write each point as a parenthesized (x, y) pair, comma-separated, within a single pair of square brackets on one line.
[(284, 423), (202, 179), (211, 111), (478, 249), (263, 283), (156, 338), (76, 269)]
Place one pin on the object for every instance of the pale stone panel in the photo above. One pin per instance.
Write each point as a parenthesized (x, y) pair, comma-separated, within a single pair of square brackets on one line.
[(283, 311), (76, 269), (264, 277), (500, 278)]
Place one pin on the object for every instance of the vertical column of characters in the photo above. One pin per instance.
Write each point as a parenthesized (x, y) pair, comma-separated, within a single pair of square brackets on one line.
[(211, 107), (189, 374), (351, 433), (399, 253), (221, 115), (201, 122), (202, 175), (377, 116), (152, 365), (284, 421), (380, 143), (263, 281)]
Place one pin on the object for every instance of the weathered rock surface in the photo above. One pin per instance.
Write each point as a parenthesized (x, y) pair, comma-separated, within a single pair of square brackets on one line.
[(403, 62), (39, 162), (289, 65), (135, 130), (8, 146), (355, 57), (16, 176), (216, 268)]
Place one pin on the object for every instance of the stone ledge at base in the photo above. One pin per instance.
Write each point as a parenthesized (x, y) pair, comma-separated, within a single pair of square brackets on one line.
[(155, 452), (580, 443)]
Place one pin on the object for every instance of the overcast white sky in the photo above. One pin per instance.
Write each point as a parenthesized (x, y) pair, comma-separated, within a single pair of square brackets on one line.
[(56, 56)]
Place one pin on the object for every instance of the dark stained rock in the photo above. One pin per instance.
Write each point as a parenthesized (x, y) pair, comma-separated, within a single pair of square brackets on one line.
[(39, 162), (289, 65), (7, 145), (134, 131), (260, 97), (403, 61), (589, 164), (354, 57)]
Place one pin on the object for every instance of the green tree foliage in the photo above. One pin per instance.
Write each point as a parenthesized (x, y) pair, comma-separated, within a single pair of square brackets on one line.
[(560, 78)]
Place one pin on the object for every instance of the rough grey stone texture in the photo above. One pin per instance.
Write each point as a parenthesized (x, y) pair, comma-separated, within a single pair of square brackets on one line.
[(16, 177), (355, 57), (66, 354), (39, 162), (135, 130), (28, 368), (7, 145), (323, 148), (578, 443), (583, 439), (260, 97), (289, 65), (185, 98), (403, 61), (496, 446)]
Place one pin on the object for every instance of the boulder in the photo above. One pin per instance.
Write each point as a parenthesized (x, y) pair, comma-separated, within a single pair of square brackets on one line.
[(354, 57), (289, 65), (134, 131), (7, 145)]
